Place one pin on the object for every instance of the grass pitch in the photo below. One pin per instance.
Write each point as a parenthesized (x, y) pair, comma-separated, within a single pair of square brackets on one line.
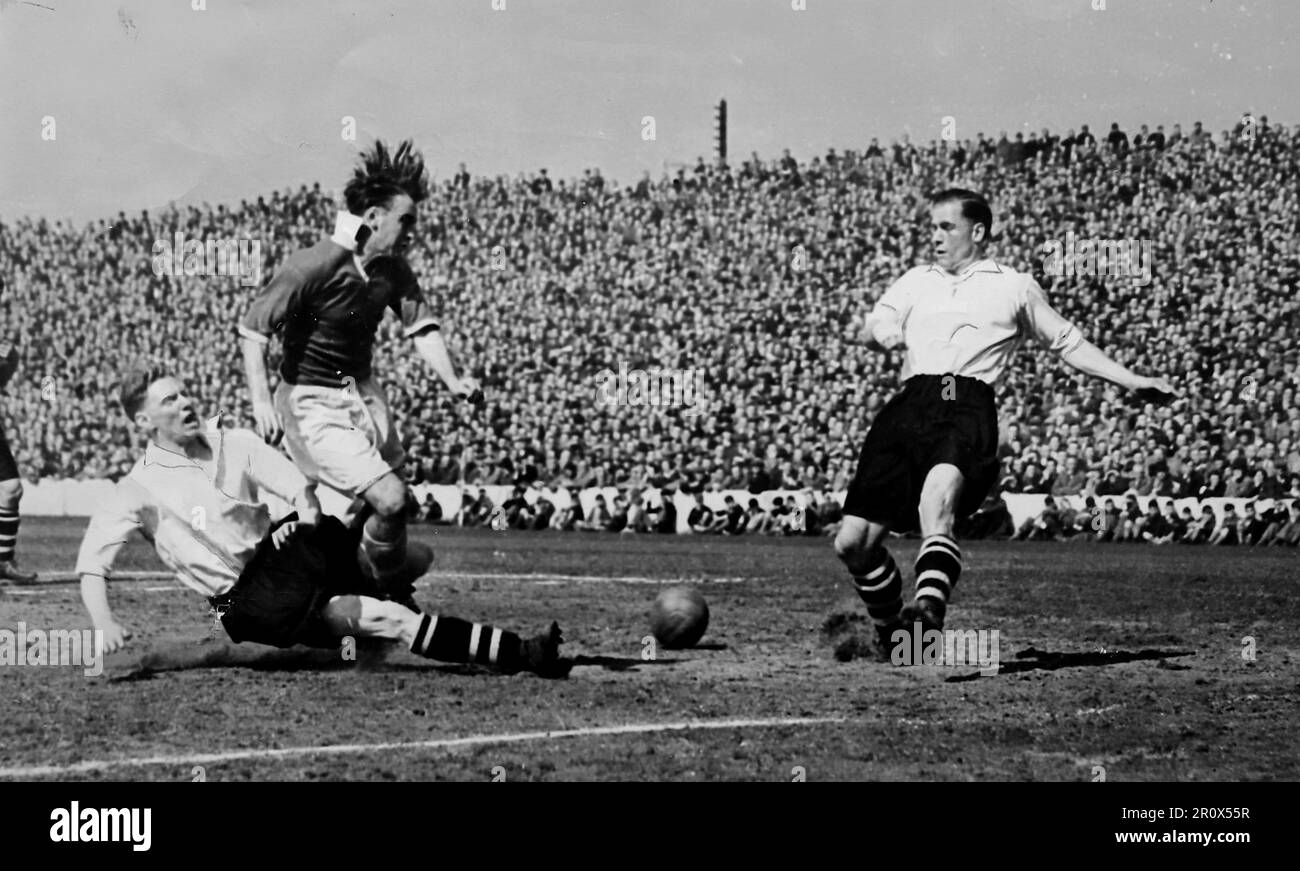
[(1126, 662)]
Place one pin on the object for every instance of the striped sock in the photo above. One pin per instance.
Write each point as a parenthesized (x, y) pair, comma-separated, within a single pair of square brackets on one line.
[(8, 533), (451, 639), (938, 566), (881, 588)]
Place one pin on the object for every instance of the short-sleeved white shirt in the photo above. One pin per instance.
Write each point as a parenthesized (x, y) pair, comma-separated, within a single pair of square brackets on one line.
[(205, 518), (970, 323)]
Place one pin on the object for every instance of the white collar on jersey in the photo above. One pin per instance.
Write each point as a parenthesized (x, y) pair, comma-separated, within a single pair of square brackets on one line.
[(985, 265), (346, 228), (156, 455)]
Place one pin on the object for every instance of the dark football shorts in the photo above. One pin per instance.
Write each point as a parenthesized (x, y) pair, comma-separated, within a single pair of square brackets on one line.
[(934, 419), (8, 468), (279, 598)]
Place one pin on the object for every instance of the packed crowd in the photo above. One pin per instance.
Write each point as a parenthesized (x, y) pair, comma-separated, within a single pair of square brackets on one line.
[(1273, 523), (1268, 523), (757, 275), (635, 511)]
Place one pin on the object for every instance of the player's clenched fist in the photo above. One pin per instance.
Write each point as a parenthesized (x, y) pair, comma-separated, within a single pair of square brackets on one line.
[(888, 336), (1155, 390), (268, 423), (884, 331), (470, 390)]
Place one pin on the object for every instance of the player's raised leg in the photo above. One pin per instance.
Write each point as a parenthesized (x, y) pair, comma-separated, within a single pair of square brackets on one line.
[(938, 565), (332, 412), (383, 538), (309, 590), (345, 439)]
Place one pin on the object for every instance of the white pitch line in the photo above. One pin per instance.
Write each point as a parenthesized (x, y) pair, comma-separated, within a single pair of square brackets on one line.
[(543, 579), (436, 744), (65, 577), (4, 594), (585, 579)]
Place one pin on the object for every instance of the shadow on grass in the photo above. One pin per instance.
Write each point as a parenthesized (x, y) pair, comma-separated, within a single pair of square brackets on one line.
[(620, 663), (370, 657), (185, 656), (626, 663), (1033, 659)]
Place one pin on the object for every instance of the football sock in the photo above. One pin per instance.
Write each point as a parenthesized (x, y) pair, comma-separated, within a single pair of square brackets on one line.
[(8, 533), (881, 588), (937, 567), (451, 639)]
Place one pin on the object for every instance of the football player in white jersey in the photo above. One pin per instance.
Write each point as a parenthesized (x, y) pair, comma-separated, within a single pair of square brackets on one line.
[(931, 454)]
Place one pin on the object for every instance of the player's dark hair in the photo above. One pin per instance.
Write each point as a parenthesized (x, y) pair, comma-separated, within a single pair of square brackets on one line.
[(380, 176), (135, 385), (974, 207)]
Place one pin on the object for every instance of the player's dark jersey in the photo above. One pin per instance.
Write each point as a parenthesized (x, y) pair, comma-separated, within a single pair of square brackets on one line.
[(329, 311)]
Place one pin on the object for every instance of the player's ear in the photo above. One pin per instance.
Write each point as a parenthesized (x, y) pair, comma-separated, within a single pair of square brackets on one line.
[(979, 233)]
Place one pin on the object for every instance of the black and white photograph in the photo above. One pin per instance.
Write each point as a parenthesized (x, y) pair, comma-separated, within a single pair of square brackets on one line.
[(601, 390)]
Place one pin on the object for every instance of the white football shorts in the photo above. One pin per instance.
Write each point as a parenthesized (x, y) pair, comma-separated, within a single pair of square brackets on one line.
[(344, 438)]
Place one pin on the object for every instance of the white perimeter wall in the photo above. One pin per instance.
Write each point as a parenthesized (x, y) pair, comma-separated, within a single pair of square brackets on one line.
[(78, 499)]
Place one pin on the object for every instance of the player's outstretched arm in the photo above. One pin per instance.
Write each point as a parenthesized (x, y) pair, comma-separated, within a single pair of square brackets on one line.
[(1064, 338), (281, 300), (1091, 360), (265, 417), (94, 595), (119, 515), (433, 348)]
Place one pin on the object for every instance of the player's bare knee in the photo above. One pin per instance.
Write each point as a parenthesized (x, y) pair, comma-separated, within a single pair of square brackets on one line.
[(388, 497), (367, 617), (342, 614), (391, 506), (11, 491), (850, 543)]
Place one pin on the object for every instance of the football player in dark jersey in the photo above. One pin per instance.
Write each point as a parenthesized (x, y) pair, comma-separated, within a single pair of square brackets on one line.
[(327, 302)]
